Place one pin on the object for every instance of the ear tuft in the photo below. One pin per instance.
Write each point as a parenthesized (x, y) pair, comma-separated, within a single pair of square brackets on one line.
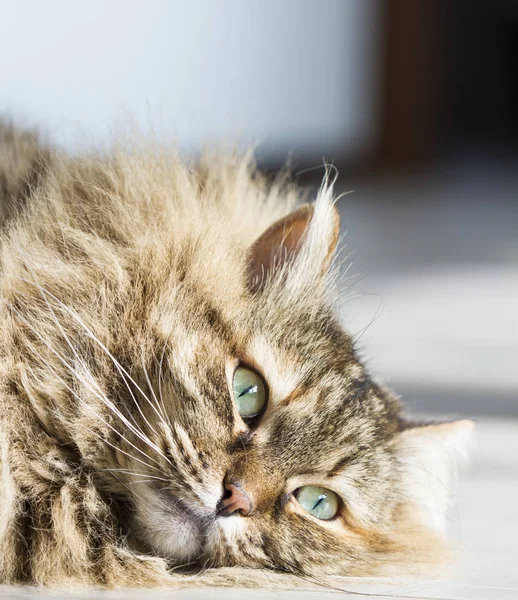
[(297, 238), (429, 456), (278, 246)]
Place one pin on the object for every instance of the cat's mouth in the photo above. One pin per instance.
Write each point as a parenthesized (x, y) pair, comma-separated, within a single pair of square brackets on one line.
[(183, 533)]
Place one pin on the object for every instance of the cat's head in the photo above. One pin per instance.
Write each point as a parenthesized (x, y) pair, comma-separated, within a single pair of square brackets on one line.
[(267, 442)]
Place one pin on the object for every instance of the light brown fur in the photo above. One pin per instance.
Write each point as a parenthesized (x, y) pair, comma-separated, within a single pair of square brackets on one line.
[(131, 285)]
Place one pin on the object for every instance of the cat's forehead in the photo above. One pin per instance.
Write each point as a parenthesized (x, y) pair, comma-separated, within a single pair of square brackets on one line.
[(317, 389), (282, 369), (291, 371)]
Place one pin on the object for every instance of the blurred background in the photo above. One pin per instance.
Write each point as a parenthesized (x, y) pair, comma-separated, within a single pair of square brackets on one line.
[(414, 101)]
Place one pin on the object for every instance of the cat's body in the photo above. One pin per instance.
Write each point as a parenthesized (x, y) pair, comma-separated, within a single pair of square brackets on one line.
[(132, 286)]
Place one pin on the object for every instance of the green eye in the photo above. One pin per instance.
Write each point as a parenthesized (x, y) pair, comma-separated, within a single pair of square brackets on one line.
[(321, 503), (249, 392)]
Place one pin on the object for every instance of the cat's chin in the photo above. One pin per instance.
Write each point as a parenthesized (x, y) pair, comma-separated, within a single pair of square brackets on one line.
[(180, 538), (182, 535), (168, 527)]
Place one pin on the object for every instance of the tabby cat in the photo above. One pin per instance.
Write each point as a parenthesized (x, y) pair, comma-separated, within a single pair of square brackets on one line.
[(176, 391)]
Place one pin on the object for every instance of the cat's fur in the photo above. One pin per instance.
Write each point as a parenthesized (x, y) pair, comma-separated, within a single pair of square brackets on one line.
[(131, 285)]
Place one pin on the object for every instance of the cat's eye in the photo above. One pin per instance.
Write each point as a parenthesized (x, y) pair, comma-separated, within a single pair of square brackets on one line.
[(318, 501), (249, 392)]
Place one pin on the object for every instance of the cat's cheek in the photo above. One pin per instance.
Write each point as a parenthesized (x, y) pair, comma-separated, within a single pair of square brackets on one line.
[(236, 541)]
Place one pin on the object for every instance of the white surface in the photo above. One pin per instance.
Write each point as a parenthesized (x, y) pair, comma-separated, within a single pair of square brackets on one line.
[(451, 324), (484, 525), (294, 74), (434, 286)]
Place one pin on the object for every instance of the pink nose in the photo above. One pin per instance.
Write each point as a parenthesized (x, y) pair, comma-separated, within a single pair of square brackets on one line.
[(234, 499)]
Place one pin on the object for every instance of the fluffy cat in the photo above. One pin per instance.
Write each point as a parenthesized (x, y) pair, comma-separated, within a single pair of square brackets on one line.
[(176, 390)]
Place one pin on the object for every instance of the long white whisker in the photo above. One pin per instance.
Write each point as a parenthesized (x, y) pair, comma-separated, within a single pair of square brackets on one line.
[(72, 391), (143, 480), (43, 294), (132, 492), (137, 474), (123, 451), (160, 379), (119, 367), (137, 430), (162, 414), (80, 360), (105, 401), (105, 441)]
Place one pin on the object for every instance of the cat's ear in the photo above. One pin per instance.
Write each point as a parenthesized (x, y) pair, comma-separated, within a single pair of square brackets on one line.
[(303, 241), (429, 457)]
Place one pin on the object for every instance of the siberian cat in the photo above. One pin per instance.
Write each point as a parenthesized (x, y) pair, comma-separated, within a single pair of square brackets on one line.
[(175, 389)]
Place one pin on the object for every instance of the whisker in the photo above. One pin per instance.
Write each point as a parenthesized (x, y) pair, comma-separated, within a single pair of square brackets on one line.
[(132, 492), (137, 474), (160, 378), (150, 386), (142, 480), (330, 586), (123, 451), (72, 391), (43, 293), (119, 367), (93, 337)]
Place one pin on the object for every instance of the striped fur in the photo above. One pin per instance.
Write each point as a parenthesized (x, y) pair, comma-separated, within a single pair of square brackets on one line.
[(126, 303)]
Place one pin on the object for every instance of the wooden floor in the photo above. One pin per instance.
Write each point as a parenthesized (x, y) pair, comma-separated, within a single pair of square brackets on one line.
[(484, 524)]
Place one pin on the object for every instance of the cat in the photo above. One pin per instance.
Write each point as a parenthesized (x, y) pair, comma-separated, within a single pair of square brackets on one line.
[(176, 391)]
